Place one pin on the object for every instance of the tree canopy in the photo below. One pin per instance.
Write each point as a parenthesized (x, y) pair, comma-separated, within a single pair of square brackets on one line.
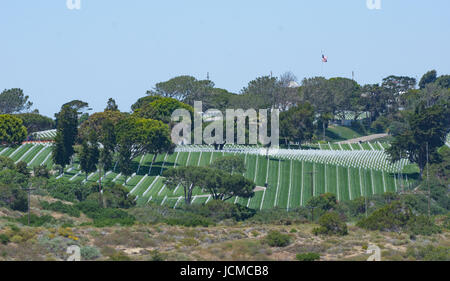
[(12, 131), (14, 101)]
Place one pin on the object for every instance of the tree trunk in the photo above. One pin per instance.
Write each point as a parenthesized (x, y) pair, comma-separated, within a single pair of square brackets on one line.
[(323, 127)]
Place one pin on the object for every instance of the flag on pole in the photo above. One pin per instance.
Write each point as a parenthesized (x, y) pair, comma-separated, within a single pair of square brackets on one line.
[(324, 58)]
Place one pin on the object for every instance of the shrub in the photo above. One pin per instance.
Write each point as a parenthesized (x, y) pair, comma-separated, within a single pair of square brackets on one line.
[(89, 253), (105, 216), (61, 208), (392, 217), (308, 257), (218, 210), (422, 225), (280, 216), (189, 220), (331, 224), (41, 171), (35, 220), (157, 256), (119, 256), (22, 167), (4, 239), (429, 253), (277, 239), (66, 190), (116, 196)]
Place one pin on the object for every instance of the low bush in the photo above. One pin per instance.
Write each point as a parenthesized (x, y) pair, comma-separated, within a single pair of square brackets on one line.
[(277, 239), (4, 239), (61, 208), (331, 224), (89, 253), (393, 217), (218, 210), (35, 220), (307, 257), (429, 253), (105, 216), (422, 225), (67, 190)]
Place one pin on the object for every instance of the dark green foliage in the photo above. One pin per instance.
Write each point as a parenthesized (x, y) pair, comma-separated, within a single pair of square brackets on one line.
[(105, 216), (4, 239), (427, 125), (429, 253), (331, 224), (6, 163), (220, 184), (296, 124), (89, 154), (111, 105), (427, 78), (443, 81), (161, 109), (11, 193), (422, 225), (41, 171), (12, 131), (116, 196), (308, 257), (22, 167), (393, 217), (325, 202), (397, 216), (66, 190), (35, 122), (67, 130), (280, 216), (277, 239), (14, 101), (35, 220), (189, 220), (137, 136), (154, 213), (60, 207), (218, 210)]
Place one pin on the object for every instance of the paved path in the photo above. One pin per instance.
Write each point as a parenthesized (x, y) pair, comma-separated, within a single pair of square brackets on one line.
[(365, 138)]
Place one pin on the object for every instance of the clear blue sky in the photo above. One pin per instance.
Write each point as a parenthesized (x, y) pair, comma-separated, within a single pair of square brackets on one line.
[(121, 48)]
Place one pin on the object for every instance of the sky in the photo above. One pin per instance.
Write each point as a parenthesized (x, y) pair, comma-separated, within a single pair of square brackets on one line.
[(120, 49)]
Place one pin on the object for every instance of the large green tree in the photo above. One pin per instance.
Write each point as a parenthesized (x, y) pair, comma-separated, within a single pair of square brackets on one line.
[(184, 88), (346, 93), (426, 132), (14, 101), (89, 155), (296, 124), (161, 109), (223, 186), (35, 122), (186, 177), (220, 184), (12, 131), (138, 136), (427, 78), (67, 129)]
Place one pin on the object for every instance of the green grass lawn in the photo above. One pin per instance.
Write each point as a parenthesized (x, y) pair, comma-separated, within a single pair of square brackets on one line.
[(291, 183), (340, 133)]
